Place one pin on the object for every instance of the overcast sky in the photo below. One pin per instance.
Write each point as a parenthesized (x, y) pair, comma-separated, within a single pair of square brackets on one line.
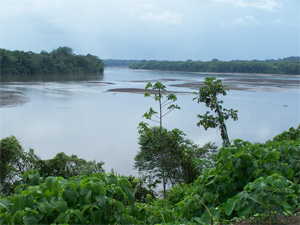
[(155, 29)]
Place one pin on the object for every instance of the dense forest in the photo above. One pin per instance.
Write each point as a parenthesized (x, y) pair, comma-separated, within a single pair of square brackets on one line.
[(60, 61), (119, 62), (290, 65)]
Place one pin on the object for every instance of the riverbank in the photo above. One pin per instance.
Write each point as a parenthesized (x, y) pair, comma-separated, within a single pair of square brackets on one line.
[(240, 84), (12, 98)]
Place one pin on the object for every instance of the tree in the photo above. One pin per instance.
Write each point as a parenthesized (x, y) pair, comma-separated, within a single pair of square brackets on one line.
[(68, 166), (178, 154), (14, 162), (58, 62), (208, 94), (158, 89)]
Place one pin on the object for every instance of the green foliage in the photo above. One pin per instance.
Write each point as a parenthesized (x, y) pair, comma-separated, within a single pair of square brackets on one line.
[(158, 89), (292, 134), (288, 65), (247, 179), (119, 62), (98, 199), (161, 170), (140, 191), (178, 154), (15, 162), (208, 94), (68, 166), (59, 61), (244, 180)]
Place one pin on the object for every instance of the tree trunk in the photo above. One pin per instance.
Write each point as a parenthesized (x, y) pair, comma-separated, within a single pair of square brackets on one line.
[(161, 149), (223, 128)]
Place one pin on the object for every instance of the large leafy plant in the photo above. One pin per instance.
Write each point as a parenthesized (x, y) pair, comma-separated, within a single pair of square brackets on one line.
[(247, 179), (98, 199)]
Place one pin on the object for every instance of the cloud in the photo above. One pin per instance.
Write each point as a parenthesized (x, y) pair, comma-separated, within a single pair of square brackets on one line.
[(269, 5), (247, 21), (165, 17)]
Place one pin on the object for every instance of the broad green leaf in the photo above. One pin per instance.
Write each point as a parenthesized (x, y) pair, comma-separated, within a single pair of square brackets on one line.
[(209, 197), (30, 219), (101, 201), (129, 193), (112, 179), (85, 195), (34, 178), (61, 206), (17, 217), (124, 182), (70, 196), (268, 165), (62, 218), (272, 156), (237, 163), (96, 217), (26, 201), (229, 206), (290, 173), (244, 212), (120, 207), (32, 211), (101, 190), (79, 214), (205, 218), (5, 203), (25, 176), (46, 208), (50, 183), (285, 205)]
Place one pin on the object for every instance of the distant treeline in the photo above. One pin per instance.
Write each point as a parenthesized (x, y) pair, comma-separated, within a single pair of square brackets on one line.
[(290, 65), (119, 62), (59, 61)]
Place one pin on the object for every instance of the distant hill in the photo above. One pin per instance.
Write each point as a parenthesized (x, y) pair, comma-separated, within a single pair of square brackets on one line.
[(119, 62), (289, 65), (60, 61)]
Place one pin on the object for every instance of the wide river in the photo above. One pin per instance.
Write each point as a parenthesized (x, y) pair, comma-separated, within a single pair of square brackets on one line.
[(84, 118)]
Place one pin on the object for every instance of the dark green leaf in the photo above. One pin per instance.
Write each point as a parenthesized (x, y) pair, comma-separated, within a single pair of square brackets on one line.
[(70, 196), (30, 219), (62, 218), (61, 206), (229, 206), (46, 208)]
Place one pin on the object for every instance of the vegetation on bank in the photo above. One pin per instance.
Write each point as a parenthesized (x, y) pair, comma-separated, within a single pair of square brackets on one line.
[(243, 180), (205, 185), (289, 65), (61, 61), (119, 62)]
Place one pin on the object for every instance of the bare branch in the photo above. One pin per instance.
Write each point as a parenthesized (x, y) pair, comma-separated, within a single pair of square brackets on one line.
[(168, 112), (167, 104)]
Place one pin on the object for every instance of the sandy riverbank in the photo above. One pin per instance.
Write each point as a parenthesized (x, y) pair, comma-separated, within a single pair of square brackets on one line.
[(12, 98), (241, 84)]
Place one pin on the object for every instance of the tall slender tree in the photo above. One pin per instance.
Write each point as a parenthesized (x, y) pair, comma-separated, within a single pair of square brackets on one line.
[(208, 94), (156, 92)]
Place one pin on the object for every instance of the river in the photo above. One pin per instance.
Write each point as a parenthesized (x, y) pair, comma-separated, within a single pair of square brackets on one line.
[(84, 118)]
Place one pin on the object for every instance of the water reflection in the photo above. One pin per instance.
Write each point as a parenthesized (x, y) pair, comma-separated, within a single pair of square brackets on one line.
[(51, 77)]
